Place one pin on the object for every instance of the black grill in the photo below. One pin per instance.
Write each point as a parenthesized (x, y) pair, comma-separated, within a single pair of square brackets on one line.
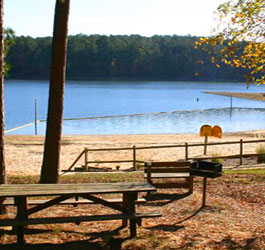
[(206, 169)]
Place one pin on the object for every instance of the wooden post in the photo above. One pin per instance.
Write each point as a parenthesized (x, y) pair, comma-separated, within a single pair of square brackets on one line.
[(131, 210), (36, 116), (241, 152), (21, 204), (190, 181), (134, 157), (148, 165), (125, 204), (85, 158), (186, 151), (205, 144)]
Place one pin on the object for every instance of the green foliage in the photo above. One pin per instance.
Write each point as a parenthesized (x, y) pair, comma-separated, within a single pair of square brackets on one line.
[(240, 38), (261, 150), (96, 56), (9, 40)]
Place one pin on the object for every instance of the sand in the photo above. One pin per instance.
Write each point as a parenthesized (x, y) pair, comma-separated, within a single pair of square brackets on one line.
[(24, 153), (250, 96)]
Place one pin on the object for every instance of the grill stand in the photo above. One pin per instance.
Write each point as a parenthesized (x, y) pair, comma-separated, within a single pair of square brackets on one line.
[(204, 191)]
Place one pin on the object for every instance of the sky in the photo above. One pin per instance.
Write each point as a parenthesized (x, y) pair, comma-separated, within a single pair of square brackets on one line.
[(114, 17)]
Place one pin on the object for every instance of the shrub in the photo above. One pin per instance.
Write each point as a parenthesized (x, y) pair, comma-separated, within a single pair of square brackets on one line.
[(217, 160), (261, 151)]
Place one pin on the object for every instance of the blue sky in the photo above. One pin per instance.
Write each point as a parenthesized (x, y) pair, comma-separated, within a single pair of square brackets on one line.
[(145, 17)]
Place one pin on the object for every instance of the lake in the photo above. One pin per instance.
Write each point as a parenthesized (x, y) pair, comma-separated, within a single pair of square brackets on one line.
[(111, 106)]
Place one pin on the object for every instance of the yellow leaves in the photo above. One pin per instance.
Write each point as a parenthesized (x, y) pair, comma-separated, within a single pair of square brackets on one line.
[(239, 15), (240, 38), (237, 62)]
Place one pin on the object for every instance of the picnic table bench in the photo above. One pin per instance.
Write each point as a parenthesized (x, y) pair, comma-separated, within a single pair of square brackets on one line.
[(62, 192), (168, 170)]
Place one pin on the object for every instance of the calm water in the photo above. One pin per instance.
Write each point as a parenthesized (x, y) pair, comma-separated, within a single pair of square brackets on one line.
[(165, 107)]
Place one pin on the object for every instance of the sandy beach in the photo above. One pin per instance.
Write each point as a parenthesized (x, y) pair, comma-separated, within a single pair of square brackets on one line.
[(24, 153)]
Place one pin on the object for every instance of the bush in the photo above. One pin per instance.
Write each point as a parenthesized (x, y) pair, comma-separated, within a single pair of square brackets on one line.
[(217, 160), (261, 151)]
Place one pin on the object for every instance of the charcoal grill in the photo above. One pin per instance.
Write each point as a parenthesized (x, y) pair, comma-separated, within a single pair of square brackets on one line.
[(206, 170)]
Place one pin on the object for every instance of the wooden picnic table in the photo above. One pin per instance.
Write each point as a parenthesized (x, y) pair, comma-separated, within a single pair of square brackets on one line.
[(62, 192)]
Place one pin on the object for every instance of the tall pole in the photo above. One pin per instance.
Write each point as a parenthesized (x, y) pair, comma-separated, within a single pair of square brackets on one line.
[(2, 154), (231, 104), (36, 116)]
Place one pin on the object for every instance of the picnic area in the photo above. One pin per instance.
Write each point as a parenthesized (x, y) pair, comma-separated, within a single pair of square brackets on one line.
[(233, 217)]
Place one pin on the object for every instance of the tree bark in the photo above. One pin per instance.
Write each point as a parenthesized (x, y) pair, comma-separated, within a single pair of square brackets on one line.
[(51, 158), (2, 154)]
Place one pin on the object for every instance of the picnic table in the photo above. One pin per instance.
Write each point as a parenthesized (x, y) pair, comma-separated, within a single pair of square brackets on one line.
[(62, 192)]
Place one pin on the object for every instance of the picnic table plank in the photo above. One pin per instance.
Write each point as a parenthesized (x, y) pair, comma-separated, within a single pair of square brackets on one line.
[(13, 190), (78, 219), (169, 175)]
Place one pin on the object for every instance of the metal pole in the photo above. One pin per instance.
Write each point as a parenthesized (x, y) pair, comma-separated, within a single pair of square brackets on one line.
[(231, 104), (204, 191), (205, 144), (36, 116)]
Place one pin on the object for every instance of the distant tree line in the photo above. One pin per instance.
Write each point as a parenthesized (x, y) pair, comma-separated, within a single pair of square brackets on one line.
[(120, 56)]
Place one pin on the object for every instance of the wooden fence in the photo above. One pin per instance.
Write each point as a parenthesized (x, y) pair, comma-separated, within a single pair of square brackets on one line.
[(186, 146)]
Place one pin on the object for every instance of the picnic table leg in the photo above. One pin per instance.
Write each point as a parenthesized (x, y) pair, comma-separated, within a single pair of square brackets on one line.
[(21, 204), (125, 205), (131, 209)]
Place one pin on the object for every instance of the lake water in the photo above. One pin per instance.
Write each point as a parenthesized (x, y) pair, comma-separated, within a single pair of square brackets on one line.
[(162, 107)]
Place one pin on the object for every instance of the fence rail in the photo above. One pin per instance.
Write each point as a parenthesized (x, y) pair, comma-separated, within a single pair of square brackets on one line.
[(186, 146)]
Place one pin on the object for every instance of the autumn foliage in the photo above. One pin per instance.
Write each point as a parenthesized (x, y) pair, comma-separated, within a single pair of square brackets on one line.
[(239, 38)]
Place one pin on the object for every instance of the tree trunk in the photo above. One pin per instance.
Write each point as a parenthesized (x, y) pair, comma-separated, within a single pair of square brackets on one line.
[(51, 158), (2, 158)]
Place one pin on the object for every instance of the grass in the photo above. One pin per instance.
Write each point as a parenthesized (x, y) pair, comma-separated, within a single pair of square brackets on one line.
[(114, 177), (259, 172), (82, 178)]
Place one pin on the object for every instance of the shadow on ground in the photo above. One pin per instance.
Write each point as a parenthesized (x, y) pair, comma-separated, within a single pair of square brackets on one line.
[(161, 199), (105, 240)]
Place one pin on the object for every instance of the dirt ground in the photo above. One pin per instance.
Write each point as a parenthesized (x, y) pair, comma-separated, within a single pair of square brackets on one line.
[(234, 218)]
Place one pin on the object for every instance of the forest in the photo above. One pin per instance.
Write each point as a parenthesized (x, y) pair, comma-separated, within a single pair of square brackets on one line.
[(119, 57)]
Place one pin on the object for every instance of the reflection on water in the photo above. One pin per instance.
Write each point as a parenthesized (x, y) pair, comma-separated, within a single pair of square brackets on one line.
[(188, 121)]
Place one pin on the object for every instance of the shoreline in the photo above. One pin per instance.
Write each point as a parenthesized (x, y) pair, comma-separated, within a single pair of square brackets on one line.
[(251, 96), (24, 152), (127, 79)]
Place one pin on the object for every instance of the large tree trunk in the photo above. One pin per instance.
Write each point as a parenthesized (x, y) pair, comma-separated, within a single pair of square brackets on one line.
[(50, 165), (2, 158)]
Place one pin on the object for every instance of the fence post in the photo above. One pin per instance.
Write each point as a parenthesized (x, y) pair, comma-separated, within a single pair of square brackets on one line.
[(186, 151), (134, 157), (241, 152), (85, 158)]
